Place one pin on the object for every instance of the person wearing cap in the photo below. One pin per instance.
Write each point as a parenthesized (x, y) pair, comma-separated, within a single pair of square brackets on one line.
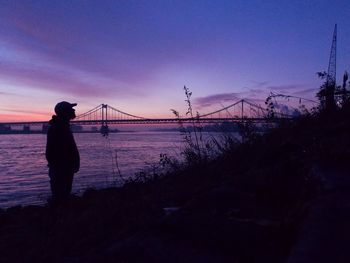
[(61, 152)]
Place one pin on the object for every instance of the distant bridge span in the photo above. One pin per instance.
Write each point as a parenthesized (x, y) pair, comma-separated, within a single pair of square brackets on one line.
[(240, 111)]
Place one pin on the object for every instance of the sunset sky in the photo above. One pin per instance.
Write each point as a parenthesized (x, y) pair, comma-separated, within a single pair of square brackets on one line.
[(137, 55)]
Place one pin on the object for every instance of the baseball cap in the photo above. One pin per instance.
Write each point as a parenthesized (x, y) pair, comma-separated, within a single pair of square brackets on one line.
[(63, 107)]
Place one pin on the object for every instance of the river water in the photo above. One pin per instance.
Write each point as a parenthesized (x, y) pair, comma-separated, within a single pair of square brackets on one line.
[(23, 168)]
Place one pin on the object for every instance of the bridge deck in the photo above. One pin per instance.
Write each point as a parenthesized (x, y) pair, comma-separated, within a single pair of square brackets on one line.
[(155, 121)]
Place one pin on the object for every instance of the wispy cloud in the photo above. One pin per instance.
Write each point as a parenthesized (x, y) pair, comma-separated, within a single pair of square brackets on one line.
[(48, 80), (254, 95), (4, 93), (262, 89), (24, 111), (259, 84), (306, 92), (287, 88), (256, 91), (115, 59), (216, 99)]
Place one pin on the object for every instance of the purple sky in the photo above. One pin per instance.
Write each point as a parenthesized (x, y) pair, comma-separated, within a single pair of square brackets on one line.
[(138, 55)]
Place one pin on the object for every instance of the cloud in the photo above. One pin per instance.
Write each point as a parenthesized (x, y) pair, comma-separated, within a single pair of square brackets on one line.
[(253, 95), (259, 84), (4, 93), (125, 45), (299, 90), (288, 87), (28, 112), (265, 86), (305, 92), (256, 91), (111, 47), (216, 99), (12, 95), (261, 89), (48, 80), (49, 55), (25, 55)]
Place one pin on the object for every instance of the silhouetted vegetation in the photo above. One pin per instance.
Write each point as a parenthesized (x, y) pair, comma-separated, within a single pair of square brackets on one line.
[(337, 95)]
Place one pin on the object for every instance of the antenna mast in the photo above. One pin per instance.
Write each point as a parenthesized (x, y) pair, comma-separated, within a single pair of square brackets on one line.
[(331, 74)]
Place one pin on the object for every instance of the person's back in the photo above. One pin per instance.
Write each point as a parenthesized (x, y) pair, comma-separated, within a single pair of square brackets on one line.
[(61, 152)]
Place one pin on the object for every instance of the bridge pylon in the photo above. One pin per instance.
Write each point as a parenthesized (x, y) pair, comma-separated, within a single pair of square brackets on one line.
[(104, 127)]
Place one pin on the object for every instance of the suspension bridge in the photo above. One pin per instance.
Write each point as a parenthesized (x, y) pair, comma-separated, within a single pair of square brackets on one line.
[(104, 115)]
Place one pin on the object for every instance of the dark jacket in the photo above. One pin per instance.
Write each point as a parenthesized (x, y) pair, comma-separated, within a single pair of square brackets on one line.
[(61, 151)]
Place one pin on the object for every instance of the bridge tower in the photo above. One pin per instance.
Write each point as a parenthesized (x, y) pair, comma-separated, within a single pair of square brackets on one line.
[(104, 127), (331, 73)]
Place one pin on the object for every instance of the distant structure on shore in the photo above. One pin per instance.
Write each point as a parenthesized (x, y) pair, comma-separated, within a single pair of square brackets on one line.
[(331, 73), (26, 129)]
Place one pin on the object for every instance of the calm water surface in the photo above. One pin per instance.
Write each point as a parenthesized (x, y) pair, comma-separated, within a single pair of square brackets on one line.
[(23, 167)]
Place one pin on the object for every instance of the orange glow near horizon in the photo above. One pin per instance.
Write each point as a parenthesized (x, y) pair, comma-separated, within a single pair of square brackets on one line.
[(24, 117)]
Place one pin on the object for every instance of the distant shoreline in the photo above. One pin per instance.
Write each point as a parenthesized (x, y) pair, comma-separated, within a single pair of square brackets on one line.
[(41, 132), (152, 130)]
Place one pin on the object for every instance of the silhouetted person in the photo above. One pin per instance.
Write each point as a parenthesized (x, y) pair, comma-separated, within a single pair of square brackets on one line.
[(61, 152)]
